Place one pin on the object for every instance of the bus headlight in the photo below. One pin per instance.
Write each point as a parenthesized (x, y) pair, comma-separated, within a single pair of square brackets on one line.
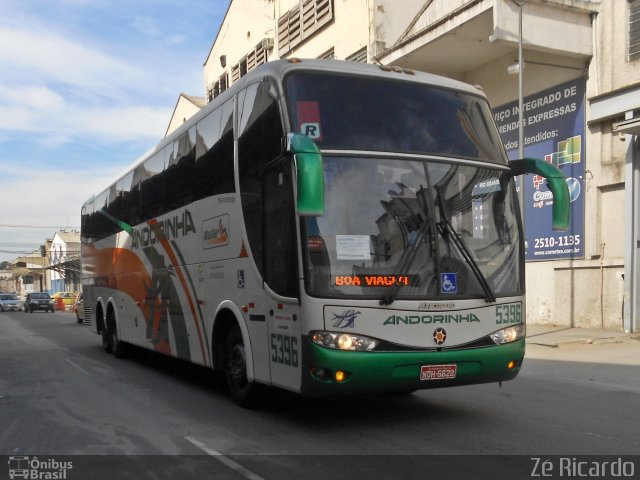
[(509, 334), (344, 341)]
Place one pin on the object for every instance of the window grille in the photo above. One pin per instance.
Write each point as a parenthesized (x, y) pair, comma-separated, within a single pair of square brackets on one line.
[(301, 22), (634, 30), (217, 87), (257, 56), (224, 82), (359, 56), (328, 55)]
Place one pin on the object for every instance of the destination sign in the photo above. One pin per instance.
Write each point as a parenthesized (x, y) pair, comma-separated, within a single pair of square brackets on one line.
[(374, 280)]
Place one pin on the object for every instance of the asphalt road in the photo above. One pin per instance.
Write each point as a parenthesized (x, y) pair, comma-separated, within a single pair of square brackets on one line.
[(61, 395)]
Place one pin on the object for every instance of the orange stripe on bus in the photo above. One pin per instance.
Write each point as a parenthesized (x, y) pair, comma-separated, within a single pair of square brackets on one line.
[(174, 261)]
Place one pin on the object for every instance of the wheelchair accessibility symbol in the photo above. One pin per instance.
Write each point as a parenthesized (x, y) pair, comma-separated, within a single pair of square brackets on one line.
[(449, 283)]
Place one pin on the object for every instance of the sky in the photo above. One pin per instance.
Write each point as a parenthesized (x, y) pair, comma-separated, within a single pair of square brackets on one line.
[(87, 87)]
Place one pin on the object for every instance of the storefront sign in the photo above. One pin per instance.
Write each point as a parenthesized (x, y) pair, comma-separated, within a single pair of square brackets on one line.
[(554, 130)]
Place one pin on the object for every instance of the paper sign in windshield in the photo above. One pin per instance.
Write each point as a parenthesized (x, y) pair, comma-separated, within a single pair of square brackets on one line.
[(353, 247)]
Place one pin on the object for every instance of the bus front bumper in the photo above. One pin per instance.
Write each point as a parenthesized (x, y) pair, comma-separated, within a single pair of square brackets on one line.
[(365, 372)]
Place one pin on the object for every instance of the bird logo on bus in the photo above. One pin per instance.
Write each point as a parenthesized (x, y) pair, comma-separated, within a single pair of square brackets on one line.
[(346, 319)]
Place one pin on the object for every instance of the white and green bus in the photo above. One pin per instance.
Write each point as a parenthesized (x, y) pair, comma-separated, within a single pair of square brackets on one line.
[(325, 227)]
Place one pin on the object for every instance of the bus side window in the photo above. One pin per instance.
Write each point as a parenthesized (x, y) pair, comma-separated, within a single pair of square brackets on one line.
[(265, 187), (101, 224), (122, 203), (251, 166), (280, 251), (152, 185), (213, 173), (87, 235), (180, 171)]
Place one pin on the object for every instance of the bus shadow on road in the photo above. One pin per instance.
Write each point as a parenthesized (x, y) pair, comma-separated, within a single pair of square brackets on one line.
[(279, 402)]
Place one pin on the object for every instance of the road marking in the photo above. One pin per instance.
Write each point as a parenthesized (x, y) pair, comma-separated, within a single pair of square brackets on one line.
[(224, 459), (77, 366)]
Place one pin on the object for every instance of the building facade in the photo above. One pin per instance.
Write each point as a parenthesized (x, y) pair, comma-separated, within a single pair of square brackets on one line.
[(581, 103), (64, 262)]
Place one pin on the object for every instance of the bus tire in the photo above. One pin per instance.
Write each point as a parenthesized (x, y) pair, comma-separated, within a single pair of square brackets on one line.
[(242, 391), (106, 340), (118, 347)]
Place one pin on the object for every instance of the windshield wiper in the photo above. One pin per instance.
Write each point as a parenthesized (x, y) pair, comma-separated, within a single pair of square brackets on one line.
[(447, 229), (428, 225)]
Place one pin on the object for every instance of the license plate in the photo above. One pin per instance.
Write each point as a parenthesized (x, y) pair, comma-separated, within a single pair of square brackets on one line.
[(438, 372)]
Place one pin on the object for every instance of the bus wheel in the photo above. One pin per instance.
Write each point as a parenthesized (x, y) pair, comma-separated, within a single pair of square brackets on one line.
[(242, 391), (106, 340), (118, 347)]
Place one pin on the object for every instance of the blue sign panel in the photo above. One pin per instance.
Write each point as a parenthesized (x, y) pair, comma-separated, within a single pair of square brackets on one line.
[(554, 131), (449, 283)]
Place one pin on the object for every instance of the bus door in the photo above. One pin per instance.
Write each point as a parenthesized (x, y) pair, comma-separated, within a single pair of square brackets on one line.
[(281, 274), (266, 194)]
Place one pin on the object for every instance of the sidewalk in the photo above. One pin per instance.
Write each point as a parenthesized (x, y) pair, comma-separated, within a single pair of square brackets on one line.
[(555, 336)]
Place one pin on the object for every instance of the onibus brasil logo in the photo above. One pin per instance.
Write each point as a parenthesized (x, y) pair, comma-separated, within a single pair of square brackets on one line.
[(38, 469)]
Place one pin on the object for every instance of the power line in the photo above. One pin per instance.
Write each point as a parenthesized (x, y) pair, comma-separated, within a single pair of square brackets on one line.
[(18, 244), (5, 225)]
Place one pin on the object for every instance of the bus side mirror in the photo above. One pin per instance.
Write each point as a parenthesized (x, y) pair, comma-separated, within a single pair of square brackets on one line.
[(310, 175), (556, 182)]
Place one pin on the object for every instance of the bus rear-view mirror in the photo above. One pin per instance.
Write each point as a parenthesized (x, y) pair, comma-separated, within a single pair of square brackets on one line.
[(310, 175), (556, 182)]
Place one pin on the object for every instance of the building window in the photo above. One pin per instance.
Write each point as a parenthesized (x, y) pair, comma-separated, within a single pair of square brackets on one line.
[(257, 56), (224, 82), (328, 55), (634, 30), (359, 56), (213, 91), (301, 22), (217, 87)]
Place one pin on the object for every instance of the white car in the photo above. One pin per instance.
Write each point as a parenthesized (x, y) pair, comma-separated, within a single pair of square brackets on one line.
[(9, 302)]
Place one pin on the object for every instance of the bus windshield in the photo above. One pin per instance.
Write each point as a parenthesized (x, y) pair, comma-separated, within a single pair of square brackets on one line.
[(427, 230), (368, 113)]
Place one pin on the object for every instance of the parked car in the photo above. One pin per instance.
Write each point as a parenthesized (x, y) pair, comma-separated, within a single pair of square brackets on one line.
[(38, 301), (9, 302), (68, 298), (78, 307)]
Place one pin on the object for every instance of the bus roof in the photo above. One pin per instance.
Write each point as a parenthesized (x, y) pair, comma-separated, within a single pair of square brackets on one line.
[(279, 68)]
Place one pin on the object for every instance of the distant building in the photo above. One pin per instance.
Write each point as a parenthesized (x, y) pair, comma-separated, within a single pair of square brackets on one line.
[(7, 281), (186, 106), (64, 261), (31, 271)]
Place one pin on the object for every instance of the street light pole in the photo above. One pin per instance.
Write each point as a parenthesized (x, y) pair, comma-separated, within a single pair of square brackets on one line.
[(520, 4), (520, 82)]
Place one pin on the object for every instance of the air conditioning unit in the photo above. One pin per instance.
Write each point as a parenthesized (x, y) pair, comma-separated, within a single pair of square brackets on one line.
[(267, 43)]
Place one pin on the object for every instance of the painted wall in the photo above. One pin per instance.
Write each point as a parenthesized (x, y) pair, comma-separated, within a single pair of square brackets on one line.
[(246, 23), (184, 110)]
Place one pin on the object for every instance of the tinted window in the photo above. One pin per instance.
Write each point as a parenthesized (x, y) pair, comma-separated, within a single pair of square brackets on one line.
[(367, 113), (129, 200), (87, 235), (214, 152), (259, 142), (100, 224), (153, 185), (280, 253), (180, 173)]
